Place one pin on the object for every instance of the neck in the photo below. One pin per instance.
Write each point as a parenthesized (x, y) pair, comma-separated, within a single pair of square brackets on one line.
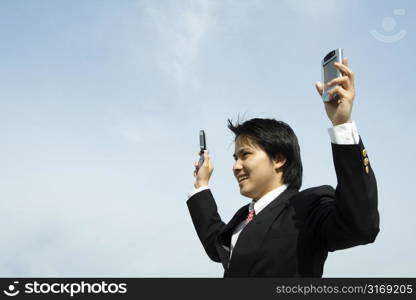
[(279, 184)]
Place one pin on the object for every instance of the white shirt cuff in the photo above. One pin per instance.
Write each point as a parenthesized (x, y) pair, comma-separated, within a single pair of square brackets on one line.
[(344, 134), (196, 191)]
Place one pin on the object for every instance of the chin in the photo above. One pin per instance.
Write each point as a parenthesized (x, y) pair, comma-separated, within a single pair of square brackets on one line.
[(246, 193)]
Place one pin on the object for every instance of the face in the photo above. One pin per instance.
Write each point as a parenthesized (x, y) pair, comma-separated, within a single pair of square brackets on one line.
[(255, 172)]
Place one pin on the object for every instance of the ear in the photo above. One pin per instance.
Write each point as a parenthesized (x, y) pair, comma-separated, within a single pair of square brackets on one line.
[(279, 162)]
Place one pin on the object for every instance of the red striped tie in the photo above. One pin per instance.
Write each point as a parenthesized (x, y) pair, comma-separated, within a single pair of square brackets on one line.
[(250, 216)]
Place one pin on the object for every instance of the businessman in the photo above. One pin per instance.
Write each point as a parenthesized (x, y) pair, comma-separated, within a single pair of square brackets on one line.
[(285, 232)]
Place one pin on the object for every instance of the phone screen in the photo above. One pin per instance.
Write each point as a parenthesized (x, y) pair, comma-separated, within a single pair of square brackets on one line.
[(330, 72)]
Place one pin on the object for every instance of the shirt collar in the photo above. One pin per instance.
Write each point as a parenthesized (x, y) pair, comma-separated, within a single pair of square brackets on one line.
[(260, 204)]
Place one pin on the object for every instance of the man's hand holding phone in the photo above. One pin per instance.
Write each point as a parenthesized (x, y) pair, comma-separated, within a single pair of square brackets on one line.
[(203, 173), (339, 108), (203, 168)]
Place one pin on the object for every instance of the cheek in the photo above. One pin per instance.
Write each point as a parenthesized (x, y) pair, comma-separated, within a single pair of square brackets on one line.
[(263, 173)]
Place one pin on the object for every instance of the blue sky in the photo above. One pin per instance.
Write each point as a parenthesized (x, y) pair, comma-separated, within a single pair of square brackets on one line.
[(102, 101)]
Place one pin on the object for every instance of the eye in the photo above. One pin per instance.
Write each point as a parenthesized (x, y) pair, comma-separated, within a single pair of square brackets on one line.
[(245, 154)]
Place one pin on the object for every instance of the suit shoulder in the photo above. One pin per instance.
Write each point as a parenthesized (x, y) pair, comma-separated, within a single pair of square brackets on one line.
[(313, 201), (318, 192), (315, 196)]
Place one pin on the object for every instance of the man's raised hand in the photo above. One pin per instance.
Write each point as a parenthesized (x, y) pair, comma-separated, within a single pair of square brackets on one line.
[(339, 108), (203, 173)]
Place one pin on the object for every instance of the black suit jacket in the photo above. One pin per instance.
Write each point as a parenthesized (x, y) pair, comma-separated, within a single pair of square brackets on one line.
[(291, 236)]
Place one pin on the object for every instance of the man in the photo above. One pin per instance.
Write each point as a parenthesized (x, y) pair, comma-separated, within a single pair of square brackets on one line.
[(285, 232)]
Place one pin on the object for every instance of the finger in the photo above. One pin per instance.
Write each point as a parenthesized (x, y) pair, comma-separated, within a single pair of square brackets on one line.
[(319, 87), (206, 156), (344, 81), (207, 160), (345, 61), (337, 91), (344, 70), (201, 162)]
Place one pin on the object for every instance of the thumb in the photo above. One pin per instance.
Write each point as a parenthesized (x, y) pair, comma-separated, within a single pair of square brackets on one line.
[(207, 159), (319, 87)]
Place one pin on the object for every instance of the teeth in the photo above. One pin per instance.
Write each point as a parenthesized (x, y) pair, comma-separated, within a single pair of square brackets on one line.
[(241, 178)]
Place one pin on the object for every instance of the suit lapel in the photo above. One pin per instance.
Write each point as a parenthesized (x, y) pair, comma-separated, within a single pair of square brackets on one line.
[(225, 235), (250, 239), (238, 217)]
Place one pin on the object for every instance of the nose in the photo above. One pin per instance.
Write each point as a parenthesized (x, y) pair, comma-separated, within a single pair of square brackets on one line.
[(237, 166)]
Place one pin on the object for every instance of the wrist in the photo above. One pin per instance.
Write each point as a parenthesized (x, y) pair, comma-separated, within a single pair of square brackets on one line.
[(200, 183), (335, 123)]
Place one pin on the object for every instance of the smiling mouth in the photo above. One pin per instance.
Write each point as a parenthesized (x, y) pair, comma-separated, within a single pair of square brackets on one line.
[(242, 178)]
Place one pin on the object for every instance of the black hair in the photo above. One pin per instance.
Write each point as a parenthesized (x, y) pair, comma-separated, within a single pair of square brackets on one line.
[(275, 138)]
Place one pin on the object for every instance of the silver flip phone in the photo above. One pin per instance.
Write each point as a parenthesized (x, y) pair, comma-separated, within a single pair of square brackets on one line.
[(202, 148), (329, 71)]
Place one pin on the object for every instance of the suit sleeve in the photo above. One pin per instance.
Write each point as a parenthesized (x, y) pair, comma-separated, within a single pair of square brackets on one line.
[(207, 222), (349, 216)]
